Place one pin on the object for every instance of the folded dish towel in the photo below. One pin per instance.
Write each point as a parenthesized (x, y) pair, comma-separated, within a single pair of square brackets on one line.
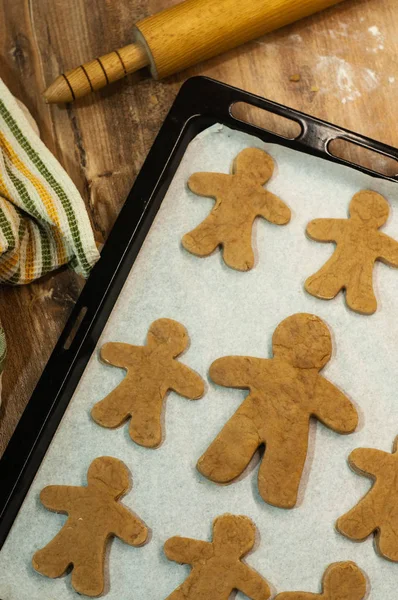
[(43, 219)]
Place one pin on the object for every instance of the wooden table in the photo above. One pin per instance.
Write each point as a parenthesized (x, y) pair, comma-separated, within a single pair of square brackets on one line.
[(345, 61)]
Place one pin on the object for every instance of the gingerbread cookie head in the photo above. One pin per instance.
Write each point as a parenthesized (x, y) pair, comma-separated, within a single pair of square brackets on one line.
[(236, 536), (254, 164), (168, 333), (370, 208), (344, 581), (304, 341), (341, 581), (110, 475)]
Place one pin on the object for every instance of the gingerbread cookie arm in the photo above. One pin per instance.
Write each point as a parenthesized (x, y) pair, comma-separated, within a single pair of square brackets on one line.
[(208, 184), (129, 528), (251, 583), (187, 551), (326, 230), (272, 208), (236, 371), (60, 498), (119, 354), (333, 408), (186, 382), (369, 461), (389, 250)]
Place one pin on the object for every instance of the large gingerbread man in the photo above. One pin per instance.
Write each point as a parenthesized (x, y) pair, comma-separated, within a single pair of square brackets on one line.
[(341, 581), (94, 515), (285, 392), (217, 568), (378, 510), (359, 244), (240, 198), (151, 371)]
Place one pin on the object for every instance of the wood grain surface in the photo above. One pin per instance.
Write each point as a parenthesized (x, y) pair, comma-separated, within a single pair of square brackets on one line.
[(344, 61)]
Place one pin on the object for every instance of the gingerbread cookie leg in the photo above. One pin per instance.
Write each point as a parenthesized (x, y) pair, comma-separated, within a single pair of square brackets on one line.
[(364, 518), (88, 579), (237, 248), (361, 520), (360, 294), (202, 240), (230, 453), (53, 560), (114, 409), (328, 281), (145, 425), (386, 543), (281, 468)]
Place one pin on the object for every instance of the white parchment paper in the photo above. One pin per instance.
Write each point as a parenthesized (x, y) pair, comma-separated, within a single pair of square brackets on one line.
[(227, 312)]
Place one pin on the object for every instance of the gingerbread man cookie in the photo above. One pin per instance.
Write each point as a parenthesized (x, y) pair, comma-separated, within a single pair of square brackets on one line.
[(378, 510), (341, 581), (285, 392), (358, 245), (151, 371), (240, 198), (217, 568), (94, 515)]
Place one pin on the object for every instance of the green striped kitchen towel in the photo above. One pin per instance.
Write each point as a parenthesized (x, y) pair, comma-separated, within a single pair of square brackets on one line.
[(43, 219)]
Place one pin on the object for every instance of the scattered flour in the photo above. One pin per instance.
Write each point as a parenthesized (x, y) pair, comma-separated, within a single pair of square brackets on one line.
[(374, 30), (378, 38), (343, 80)]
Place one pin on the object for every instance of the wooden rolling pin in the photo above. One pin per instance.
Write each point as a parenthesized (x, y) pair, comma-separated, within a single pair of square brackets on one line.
[(182, 36)]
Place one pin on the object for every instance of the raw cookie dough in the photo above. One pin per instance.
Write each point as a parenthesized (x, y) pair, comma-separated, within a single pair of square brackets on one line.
[(94, 515), (359, 245), (240, 198), (341, 581), (285, 392), (151, 371), (378, 510), (217, 568)]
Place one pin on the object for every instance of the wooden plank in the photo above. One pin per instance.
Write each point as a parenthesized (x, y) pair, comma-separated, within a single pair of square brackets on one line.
[(346, 60)]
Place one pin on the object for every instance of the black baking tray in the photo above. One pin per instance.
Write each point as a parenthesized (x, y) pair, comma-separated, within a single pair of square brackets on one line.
[(200, 103)]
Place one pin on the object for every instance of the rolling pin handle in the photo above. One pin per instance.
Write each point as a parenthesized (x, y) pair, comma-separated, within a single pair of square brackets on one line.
[(97, 73)]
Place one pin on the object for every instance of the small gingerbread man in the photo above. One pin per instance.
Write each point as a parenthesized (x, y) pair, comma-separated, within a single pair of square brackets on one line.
[(240, 198), (285, 392), (359, 245), (217, 568), (378, 510), (341, 581), (151, 371), (94, 515)]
